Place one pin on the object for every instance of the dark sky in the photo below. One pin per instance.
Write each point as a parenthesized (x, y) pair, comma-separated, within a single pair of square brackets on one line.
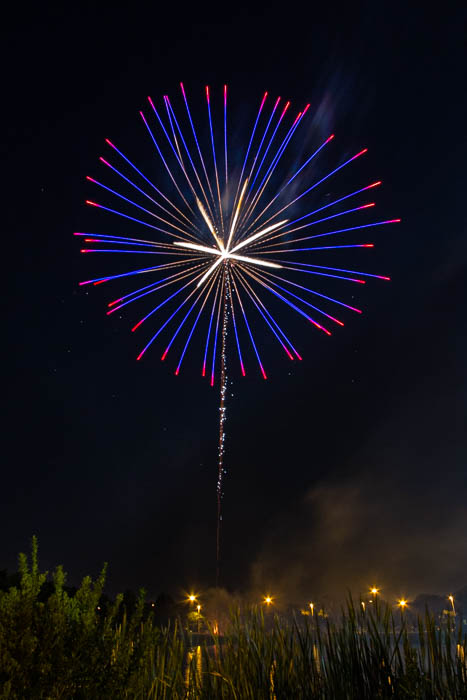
[(349, 468)]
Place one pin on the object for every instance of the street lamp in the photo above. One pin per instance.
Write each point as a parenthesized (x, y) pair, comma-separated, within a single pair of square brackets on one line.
[(312, 605), (374, 591), (451, 599), (268, 600)]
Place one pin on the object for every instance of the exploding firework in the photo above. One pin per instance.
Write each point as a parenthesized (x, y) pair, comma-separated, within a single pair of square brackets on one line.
[(234, 238)]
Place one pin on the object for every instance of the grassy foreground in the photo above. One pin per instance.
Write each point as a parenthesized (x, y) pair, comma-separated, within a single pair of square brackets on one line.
[(64, 646)]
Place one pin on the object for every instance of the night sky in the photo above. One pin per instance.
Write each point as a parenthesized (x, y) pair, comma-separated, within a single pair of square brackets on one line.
[(343, 470)]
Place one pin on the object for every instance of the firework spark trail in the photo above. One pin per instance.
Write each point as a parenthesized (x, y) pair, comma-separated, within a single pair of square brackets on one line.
[(225, 145), (195, 324), (206, 199), (307, 162), (264, 182), (267, 281), (226, 254), (165, 163), (221, 218), (249, 329), (248, 149), (248, 288), (145, 194), (258, 151), (268, 313), (146, 211), (216, 332), (232, 309), (127, 160), (197, 143), (222, 415)]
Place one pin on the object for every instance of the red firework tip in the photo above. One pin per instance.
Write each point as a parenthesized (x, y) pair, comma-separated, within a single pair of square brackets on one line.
[(104, 161), (109, 142), (360, 281), (137, 326), (394, 221), (92, 204), (365, 206), (150, 102), (330, 138), (183, 89), (143, 117), (141, 354), (263, 372), (243, 369), (374, 184), (207, 97), (288, 353), (165, 354), (203, 373), (320, 327), (306, 108), (101, 282), (212, 380), (299, 356), (364, 150), (388, 279), (297, 118), (90, 178), (367, 245), (112, 303), (177, 371), (84, 250)]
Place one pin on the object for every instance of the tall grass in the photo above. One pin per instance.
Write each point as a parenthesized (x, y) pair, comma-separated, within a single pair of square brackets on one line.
[(65, 647)]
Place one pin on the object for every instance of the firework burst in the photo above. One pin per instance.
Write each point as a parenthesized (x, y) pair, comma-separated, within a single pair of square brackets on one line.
[(234, 244)]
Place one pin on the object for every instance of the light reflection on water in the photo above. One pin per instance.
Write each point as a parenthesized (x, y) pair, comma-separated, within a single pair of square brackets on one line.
[(194, 667)]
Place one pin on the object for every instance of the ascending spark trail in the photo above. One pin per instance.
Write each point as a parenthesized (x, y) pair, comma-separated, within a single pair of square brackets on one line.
[(222, 414), (226, 264)]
